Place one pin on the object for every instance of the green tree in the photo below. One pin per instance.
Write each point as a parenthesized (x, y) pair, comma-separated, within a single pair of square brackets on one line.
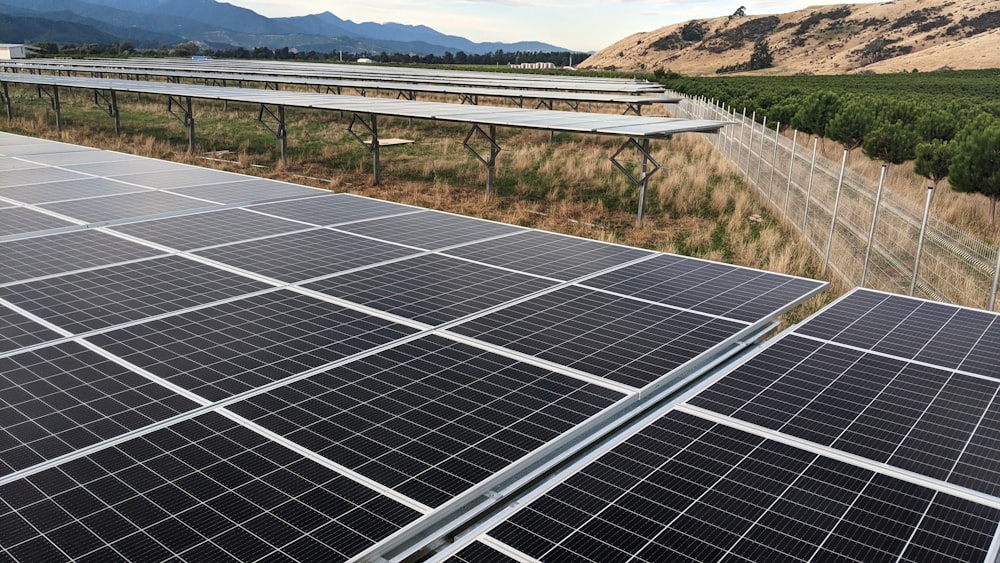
[(975, 167), (936, 124), (851, 123), (761, 57), (892, 143), (816, 111), (933, 160)]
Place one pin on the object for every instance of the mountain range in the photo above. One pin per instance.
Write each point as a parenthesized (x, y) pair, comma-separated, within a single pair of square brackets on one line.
[(895, 36), (219, 25)]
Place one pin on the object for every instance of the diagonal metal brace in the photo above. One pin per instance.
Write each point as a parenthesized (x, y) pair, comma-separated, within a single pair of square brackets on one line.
[(645, 171), (5, 99), (372, 126), (491, 160), (54, 100), (186, 117), (279, 130), (111, 100)]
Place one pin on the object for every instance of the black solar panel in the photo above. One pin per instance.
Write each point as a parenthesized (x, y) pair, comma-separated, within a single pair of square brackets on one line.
[(432, 289), (114, 295), (622, 339), (127, 206), (478, 552), (227, 349), (429, 418), (71, 189), (62, 398), (178, 177), (22, 177), (188, 232), (18, 331), (685, 488), (334, 209), (430, 230), (20, 220), (246, 191), (305, 255), (205, 489), (548, 254), (30, 258)]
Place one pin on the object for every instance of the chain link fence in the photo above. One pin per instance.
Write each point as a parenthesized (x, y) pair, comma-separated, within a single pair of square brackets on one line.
[(867, 238)]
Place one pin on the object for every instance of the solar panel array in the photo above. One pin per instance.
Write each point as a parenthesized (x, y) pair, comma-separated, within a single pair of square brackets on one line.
[(867, 433), (202, 365)]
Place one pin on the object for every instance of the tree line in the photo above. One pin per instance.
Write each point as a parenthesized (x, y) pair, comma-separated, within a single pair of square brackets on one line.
[(493, 58), (953, 134)]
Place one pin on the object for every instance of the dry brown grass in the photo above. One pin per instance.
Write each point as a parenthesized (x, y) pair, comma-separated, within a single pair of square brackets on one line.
[(698, 205)]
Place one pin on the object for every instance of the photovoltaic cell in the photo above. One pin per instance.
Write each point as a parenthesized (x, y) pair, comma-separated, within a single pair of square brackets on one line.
[(429, 418), (72, 189), (124, 166), (21, 220), (709, 287), (27, 176), (684, 488), (333, 209), (478, 552), (114, 295), (432, 289), (188, 232), (124, 206), (204, 489), (619, 338), (547, 254), (430, 230), (246, 190), (301, 256), (59, 399), (184, 176), (29, 258), (18, 331), (227, 349), (8, 163)]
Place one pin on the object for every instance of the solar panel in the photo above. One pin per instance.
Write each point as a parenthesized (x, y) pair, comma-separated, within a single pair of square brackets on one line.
[(549, 254), (685, 488), (109, 296), (19, 220), (320, 376), (29, 258), (37, 176), (65, 190), (431, 289), (334, 209)]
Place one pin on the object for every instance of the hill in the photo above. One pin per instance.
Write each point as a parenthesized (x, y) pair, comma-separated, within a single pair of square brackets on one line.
[(897, 36), (221, 25)]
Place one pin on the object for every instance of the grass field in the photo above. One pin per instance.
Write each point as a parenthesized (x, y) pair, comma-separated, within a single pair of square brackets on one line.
[(698, 204)]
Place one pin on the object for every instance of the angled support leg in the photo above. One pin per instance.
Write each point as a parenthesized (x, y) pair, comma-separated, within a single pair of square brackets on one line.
[(372, 126), (647, 167), (279, 130), (185, 116), (490, 160)]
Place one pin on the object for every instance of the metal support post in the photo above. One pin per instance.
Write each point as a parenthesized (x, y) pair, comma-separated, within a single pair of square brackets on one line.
[(871, 232), (791, 166), (373, 145), (5, 98), (743, 126), (760, 156), (809, 188), (920, 239), (632, 107), (996, 283), (836, 208), (647, 167), (547, 104), (111, 99), (489, 161), (53, 101), (279, 131), (186, 117), (774, 160)]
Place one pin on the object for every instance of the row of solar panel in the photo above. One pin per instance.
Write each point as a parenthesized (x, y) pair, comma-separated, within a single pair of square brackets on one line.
[(297, 378)]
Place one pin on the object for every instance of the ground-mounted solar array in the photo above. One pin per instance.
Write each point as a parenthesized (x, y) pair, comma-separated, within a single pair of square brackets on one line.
[(207, 366), (866, 433)]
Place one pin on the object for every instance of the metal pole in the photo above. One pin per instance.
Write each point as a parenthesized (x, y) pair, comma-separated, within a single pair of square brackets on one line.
[(55, 106), (743, 126), (774, 158), (282, 134), (791, 165), (836, 206), (996, 283), (190, 118), (115, 114), (920, 240), (643, 181), (760, 155), (871, 231), (809, 189), (491, 166), (753, 121), (6, 101), (376, 165)]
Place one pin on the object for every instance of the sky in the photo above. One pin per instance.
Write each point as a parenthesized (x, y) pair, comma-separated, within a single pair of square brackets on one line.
[(580, 25)]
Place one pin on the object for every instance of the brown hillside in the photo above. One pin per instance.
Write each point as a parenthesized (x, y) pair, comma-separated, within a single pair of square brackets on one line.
[(894, 36)]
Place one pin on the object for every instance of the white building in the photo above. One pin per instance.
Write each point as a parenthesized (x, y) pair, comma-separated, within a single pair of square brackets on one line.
[(12, 51), (544, 65)]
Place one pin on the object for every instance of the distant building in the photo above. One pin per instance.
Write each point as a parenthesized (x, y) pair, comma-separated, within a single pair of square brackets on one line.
[(365, 61), (12, 51), (544, 65)]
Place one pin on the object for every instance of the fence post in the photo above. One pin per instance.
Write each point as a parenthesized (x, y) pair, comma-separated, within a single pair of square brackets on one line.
[(753, 123), (774, 159), (871, 232), (836, 206), (812, 172), (996, 282), (760, 156), (920, 240), (791, 165)]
